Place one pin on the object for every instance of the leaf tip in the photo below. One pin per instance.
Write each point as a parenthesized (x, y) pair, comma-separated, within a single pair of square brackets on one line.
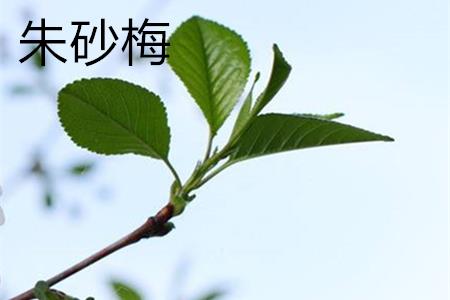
[(388, 139), (279, 54), (258, 74), (275, 47), (338, 115)]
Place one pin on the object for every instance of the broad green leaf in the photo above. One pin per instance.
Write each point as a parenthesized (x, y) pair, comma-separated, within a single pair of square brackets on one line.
[(245, 112), (273, 133), (124, 291), (213, 62), (279, 75), (111, 116)]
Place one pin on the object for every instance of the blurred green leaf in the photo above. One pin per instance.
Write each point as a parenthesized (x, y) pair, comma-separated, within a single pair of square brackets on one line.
[(49, 199), (36, 58), (40, 289), (43, 292), (124, 291), (212, 295), (37, 167), (82, 168), (21, 89)]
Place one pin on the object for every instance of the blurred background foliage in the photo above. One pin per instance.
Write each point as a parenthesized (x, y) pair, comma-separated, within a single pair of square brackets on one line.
[(51, 176)]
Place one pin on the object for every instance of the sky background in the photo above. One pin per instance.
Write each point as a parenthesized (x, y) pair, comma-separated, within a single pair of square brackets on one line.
[(363, 221)]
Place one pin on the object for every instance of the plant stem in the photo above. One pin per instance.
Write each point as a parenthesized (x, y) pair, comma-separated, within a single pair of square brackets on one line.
[(209, 146), (212, 174), (195, 180), (154, 226), (173, 171)]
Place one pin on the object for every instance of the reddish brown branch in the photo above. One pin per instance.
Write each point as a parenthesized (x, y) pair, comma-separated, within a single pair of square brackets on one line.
[(154, 226)]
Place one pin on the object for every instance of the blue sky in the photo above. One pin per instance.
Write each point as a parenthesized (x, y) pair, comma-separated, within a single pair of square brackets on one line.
[(367, 221)]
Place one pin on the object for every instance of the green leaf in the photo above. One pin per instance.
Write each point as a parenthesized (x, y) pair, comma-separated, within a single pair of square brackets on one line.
[(42, 292), (213, 62), (37, 59), (245, 112), (49, 199), (81, 169), (111, 116), (279, 75), (332, 116), (21, 89), (124, 291), (213, 295), (273, 133), (38, 167)]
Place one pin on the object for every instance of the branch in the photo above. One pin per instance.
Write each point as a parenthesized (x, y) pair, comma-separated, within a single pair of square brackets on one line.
[(154, 226)]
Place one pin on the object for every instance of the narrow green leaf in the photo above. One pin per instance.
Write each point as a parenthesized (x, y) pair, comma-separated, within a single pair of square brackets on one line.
[(213, 62), (49, 199), (273, 133), (111, 116), (245, 112), (124, 291), (279, 75), (332, 116), (36, 58)]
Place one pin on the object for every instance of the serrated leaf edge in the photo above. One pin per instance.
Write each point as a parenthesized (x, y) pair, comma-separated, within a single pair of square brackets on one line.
[(383, 138), (112, 79), (213, 126)]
